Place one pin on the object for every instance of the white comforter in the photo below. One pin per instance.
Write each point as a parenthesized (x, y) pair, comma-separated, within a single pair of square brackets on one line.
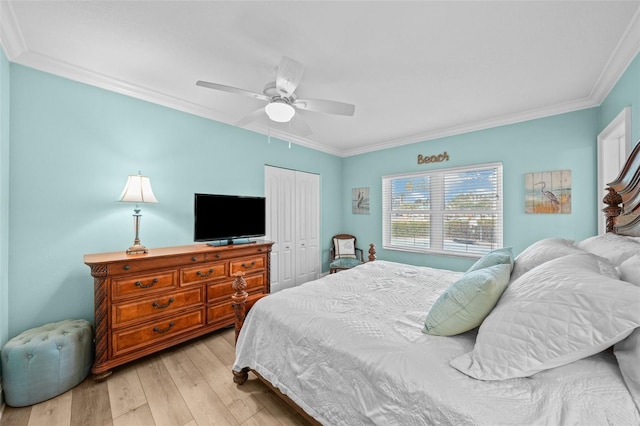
[(349, 350)]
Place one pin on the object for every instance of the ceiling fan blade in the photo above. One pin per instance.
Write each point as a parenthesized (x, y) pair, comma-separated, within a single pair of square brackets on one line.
[(251, 117), (230, 89), (328, 107), (288, 76)]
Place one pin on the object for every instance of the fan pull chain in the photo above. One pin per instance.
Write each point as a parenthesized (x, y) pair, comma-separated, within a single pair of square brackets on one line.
[(289, 144), (269, 135)]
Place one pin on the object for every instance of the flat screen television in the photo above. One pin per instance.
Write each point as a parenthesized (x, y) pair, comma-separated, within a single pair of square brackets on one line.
[(228, 219)]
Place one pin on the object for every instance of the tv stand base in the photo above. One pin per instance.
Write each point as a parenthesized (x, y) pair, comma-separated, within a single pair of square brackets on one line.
[(231, 242)]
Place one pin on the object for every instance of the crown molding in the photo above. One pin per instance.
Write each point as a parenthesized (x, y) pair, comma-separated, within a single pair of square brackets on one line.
[(479, 125), (620, 59), (11, 38)]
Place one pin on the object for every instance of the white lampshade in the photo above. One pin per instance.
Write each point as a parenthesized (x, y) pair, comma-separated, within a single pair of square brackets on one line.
[(280, 111), (138, 190)]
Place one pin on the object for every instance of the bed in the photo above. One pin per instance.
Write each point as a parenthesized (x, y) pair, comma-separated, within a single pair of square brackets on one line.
[(548, 337)]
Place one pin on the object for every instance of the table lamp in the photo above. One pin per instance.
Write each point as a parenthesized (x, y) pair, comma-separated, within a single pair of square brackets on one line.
[(137, 190)]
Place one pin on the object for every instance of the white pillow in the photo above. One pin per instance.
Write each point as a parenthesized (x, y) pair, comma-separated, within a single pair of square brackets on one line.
[(344, 248), (629, 270), (540, 252), (615, 248), (557, 313), (627, 352)]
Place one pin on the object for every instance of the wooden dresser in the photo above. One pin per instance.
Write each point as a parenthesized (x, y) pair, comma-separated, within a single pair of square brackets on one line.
[(147, 302)]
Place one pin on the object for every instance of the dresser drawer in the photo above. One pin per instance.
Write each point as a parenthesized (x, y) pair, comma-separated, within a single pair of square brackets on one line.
[(143, 284), (127, 313), (205, 272), (243, 250), (134, 338), (142, 264), (249, 264), (220, 314), (221, 292)]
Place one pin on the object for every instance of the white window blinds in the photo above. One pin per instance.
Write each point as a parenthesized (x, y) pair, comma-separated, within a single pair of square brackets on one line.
[(452, 211)]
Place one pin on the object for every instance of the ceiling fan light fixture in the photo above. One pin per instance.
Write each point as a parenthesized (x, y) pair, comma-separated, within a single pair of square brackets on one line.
[(280, 111)]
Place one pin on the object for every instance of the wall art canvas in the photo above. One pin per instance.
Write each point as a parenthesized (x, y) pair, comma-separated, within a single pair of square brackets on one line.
[(548, 192), (360, 200)]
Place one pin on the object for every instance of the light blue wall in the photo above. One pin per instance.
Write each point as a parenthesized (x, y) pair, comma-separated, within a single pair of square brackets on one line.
[(4, 198), (72, 147), (625, 93), (560, 142)]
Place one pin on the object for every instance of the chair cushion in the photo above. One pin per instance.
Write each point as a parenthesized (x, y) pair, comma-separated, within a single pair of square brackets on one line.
[(344, 248), (345, 263)]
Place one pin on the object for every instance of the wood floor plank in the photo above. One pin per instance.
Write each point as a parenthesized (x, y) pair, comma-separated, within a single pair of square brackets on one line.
[(164, 400), (125, 390), (139, 416), (220, 378), (53, 411), (262, 418), (203, 402), (90, 404), (15, 416), (225, 351)]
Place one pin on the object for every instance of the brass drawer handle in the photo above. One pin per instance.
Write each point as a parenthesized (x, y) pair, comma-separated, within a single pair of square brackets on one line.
[(159, 306), (164, 330), (139, 284), (249, 266), (205, 274)]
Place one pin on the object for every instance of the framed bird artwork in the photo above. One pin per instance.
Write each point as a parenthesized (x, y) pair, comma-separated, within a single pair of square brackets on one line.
[(360, 200), (548, 192)]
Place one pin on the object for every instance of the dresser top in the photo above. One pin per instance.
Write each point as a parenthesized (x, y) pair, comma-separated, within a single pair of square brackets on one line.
[(170, 251)]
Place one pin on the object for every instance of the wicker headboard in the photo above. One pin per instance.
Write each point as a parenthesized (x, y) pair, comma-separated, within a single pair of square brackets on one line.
[(623, 200)]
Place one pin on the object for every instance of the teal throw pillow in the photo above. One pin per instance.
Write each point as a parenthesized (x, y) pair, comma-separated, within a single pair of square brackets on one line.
[(495, 257), (466, 303)]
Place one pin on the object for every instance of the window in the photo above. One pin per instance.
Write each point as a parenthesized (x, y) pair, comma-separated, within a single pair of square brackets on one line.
[(452, 211)]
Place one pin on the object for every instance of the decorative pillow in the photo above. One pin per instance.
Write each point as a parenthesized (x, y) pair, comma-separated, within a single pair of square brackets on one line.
[(540, 252), (465, 304), (627, 352), (629, 270), (344, 247), (496, 257), (615, 248), (557, 313)]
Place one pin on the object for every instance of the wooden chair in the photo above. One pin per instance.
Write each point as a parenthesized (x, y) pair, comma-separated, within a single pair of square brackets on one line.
[(344, 254)]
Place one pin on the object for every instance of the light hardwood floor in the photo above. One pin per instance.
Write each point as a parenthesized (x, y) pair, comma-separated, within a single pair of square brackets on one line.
[(189, 385)]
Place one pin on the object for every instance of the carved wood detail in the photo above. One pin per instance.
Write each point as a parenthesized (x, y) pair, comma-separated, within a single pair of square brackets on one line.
[(613, 209), (239, 300), (372, 252)]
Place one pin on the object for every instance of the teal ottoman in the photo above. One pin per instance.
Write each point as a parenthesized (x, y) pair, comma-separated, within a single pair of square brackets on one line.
[(46, 361)]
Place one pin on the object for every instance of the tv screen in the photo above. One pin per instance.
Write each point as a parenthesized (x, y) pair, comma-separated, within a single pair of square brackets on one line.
[(228, 217)]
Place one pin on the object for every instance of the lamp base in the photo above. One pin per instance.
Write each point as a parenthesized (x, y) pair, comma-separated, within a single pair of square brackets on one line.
[(137, 249)]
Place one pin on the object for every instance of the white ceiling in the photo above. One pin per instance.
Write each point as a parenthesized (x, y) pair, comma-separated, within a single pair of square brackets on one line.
[(415, 70)]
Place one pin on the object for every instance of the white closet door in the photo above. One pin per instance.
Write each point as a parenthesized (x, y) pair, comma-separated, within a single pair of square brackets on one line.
[(279, 191), (307, 227), (293, 223)]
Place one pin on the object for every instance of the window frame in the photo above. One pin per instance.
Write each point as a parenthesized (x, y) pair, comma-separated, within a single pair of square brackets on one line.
[(437, 210)]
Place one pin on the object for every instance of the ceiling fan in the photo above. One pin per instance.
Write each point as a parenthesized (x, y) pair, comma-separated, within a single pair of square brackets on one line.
[(282, 101)]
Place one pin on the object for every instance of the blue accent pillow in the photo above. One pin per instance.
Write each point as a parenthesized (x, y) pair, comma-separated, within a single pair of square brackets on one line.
[(467, 302), (496, 257)]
